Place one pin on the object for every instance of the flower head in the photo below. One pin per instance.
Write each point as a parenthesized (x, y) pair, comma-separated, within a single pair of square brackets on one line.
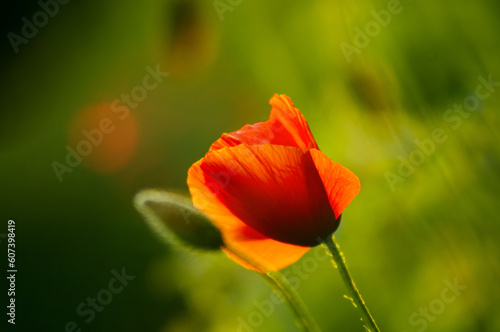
[(269, 189)]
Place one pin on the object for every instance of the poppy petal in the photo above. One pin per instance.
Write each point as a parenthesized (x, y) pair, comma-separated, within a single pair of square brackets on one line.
[(270, 254), (286, 126), (285, 117), (275, 190), (340, 183), (256, 134)]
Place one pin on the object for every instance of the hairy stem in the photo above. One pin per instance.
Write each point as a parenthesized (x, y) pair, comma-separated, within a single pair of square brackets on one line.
[(357, 300), (282, 287)]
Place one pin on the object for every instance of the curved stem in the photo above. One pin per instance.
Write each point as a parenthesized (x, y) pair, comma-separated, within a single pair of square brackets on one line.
[(303, 318), (282, 287), (357, 300)]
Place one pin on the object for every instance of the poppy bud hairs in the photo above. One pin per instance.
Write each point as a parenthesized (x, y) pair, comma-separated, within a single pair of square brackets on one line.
[(270, 191), (173, 218)]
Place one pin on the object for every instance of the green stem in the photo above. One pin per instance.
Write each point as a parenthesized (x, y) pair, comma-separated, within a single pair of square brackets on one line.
[(282, 287), (339, 262)]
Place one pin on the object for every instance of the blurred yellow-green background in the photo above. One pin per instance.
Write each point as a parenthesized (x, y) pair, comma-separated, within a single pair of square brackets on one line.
[(371, 77)]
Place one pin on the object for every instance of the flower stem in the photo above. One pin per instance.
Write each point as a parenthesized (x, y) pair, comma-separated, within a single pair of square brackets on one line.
[(357, 300), (290, 296), (282, 287)]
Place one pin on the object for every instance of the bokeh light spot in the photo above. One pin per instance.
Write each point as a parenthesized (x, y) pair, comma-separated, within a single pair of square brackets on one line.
[(104, 136)]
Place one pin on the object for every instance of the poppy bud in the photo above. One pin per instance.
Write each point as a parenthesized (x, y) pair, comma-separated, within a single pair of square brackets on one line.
[(173, 217)]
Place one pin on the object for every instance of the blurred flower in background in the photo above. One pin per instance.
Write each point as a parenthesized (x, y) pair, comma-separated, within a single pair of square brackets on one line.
[(105, 140), (193, 38)]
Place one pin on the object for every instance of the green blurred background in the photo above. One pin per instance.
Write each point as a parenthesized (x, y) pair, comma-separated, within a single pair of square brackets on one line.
[(403, 241)]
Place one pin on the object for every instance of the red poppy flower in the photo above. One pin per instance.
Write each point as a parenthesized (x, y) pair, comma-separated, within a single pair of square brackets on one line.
[(269, 189)]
